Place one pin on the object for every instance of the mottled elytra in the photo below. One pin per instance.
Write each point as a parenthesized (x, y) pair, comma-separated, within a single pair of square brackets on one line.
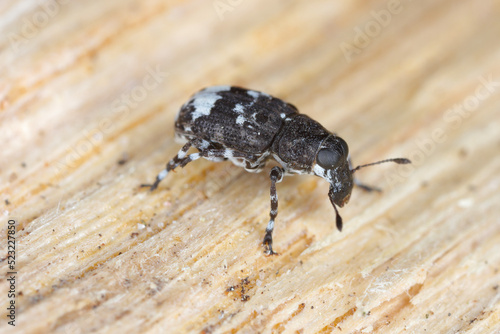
[(248, 128)]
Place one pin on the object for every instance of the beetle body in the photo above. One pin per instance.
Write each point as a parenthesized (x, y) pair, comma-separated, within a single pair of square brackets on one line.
[(235, 118), (248, 128)]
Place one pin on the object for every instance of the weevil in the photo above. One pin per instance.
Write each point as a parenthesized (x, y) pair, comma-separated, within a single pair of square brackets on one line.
[(248, 128)]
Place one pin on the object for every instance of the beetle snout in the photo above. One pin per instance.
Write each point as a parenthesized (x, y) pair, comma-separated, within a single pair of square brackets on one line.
[(345, 200)]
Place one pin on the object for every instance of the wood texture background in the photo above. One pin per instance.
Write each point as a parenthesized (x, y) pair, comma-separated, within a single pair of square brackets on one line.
[(88, 95)]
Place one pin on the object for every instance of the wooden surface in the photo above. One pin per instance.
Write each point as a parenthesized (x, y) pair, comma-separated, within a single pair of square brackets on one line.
[(88, 95)]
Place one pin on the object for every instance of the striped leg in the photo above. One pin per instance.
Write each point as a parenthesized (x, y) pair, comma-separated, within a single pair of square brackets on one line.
[(179, 160), (208, 151), (276, 177)]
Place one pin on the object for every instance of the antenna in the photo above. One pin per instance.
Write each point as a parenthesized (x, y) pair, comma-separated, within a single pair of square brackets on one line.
[(401, 161)]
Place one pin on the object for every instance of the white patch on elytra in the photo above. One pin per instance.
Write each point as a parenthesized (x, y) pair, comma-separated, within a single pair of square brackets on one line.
[(203, 105), (240, 120), (255, 94), (239, 109), (204, 101), (216, 89)]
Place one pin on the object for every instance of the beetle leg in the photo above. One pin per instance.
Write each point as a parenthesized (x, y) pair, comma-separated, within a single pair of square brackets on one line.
[(276, 177), (366, 187), (213, 153), (181, 159)]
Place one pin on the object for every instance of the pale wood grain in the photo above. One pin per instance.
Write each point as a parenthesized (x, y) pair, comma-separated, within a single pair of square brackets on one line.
[(97, 253)]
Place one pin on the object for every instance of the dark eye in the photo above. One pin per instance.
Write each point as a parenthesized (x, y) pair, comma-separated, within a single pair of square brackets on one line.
[(344, 147), (327, 158)]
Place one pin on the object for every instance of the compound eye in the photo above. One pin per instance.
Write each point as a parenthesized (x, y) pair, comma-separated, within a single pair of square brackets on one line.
[(328, 158), (344, 147)]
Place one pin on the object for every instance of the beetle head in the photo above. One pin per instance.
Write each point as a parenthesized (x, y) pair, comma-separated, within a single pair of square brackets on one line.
[(332, 164)]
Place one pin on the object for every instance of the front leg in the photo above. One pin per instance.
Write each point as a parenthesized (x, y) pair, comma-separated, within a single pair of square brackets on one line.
[(276, 176)]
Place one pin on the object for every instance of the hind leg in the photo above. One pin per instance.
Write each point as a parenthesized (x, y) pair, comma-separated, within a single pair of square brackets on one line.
[(216, 152), (212, 152), (181, 159)]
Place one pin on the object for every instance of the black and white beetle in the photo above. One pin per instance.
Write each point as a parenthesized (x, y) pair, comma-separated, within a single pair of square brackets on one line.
[(249, 127)]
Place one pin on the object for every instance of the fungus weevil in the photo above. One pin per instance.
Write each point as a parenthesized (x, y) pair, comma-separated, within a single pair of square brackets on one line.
[(249, 127)]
